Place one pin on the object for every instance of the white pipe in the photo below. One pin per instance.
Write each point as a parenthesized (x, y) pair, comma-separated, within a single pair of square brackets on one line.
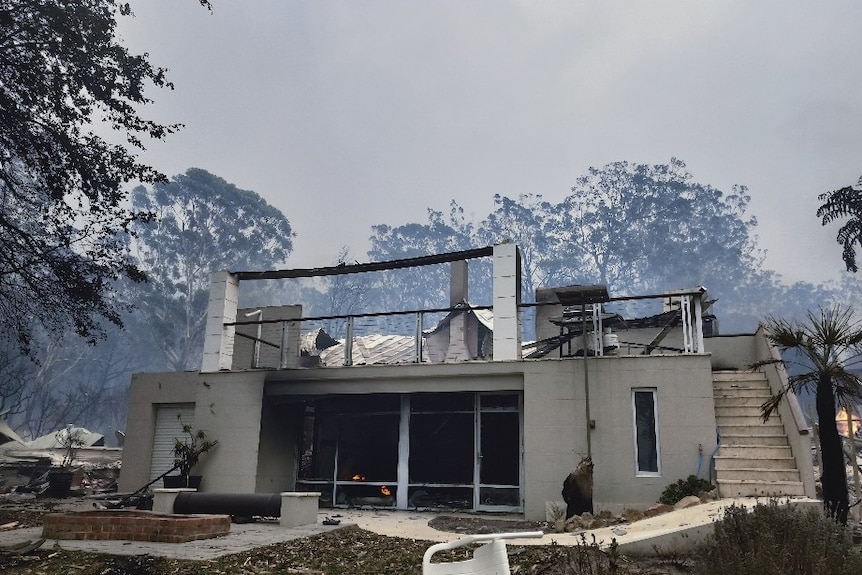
[(256, 360)]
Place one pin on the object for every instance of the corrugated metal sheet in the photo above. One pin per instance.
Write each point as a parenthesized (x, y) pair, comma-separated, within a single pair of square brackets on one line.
[(315, 341), (373, 350), (484, 316), (50, 440), (382, 349)]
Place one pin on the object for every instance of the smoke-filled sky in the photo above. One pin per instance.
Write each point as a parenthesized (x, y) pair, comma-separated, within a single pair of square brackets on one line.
[(346, 114)]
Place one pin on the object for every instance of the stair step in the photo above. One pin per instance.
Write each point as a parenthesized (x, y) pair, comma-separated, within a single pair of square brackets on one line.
[(738, 410), (742, 392), (741, 439), (771, 427), (758, 474), (732, 462), (734, 389), (727, 401), (746, 488), (753, 450), (753, 421), (755, 457)]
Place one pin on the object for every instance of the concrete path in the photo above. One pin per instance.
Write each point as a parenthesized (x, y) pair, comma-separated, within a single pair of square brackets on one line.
[(667, 532)]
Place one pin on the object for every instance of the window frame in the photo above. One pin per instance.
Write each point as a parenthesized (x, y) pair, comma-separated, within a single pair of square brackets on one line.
[(656, 431)]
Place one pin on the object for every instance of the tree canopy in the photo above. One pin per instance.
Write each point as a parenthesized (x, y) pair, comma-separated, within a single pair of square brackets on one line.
[(637, 228), (66, 80), (201, 224), (843, 203), (646, 228), (418, 288)]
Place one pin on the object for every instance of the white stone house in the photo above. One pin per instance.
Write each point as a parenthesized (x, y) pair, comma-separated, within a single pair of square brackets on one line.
[(480, 426)]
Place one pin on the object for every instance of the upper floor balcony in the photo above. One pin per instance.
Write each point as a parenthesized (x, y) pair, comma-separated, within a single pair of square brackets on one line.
[(570, 321)]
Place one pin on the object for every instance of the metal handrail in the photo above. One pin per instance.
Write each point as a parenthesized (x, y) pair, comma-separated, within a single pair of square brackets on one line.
[(690, 314)]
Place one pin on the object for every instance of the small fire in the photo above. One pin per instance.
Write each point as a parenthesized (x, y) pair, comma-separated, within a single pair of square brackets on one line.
[(841, 420), (358, 477), (385, 491)]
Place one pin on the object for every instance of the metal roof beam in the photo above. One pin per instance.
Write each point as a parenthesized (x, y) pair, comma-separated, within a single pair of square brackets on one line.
[(369, 267)]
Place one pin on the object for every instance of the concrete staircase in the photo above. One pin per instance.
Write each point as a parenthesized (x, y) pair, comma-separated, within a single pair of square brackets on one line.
[(754, 458)]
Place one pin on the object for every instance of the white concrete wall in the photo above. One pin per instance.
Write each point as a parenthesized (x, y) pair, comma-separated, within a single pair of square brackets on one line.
[(686, 416), (733, 352), (554, 415), (232, 408), (555, 426), (147, 391), (229, 408)]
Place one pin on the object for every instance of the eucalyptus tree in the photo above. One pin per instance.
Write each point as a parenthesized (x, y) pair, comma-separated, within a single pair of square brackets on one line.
[(643, 227), (637, 228), (201, 224), (344, 294), (527, 221), (418, 288), (822, 350)]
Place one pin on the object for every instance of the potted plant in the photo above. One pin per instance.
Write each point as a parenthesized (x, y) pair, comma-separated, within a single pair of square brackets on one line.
[(187, 452), (71, 439)]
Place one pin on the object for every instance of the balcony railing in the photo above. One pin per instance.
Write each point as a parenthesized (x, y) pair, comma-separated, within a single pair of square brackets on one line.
[(670, 323)]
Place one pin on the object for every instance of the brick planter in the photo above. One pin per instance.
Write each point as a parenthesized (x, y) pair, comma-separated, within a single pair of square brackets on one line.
[(134, 526)]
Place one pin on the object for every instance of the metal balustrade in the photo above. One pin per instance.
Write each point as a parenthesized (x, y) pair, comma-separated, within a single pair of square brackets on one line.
[(640, 325)]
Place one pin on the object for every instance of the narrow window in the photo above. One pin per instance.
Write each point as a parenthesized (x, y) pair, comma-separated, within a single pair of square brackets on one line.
[(645, 416)]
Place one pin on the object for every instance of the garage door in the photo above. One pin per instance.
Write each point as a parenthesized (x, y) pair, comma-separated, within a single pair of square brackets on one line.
[(170, 418)]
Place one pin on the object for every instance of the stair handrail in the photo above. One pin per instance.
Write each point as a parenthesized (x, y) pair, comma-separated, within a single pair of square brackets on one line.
[(799, 420), (789, 408)]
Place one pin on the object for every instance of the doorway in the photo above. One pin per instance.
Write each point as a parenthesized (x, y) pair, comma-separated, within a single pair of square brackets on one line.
[(498, 459)]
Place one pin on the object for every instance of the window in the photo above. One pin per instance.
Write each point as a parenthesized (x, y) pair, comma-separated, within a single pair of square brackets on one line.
[(645, 420), (452, 450)]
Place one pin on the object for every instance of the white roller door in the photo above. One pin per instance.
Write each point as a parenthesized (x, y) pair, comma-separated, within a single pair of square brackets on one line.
[(170, 418)]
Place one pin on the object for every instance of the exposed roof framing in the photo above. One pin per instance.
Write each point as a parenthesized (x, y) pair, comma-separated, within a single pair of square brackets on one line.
[(369, 267)]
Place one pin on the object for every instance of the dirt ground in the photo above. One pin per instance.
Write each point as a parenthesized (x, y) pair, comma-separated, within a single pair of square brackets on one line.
[(349, 550)]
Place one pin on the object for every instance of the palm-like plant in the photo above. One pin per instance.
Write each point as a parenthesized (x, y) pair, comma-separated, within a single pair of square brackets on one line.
[(844, 203), (188, 451), (827, 345)]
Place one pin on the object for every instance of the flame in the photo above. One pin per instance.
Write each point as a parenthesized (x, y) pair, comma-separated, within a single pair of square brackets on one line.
[(358, 477), (841, 421), (385, 491)]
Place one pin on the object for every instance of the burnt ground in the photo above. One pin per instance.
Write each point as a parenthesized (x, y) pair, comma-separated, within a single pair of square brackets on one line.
[(484, 524), (349, 550)]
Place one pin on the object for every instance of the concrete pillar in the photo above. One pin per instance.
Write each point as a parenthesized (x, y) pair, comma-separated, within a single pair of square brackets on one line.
[(458, 350), (219, 339), (457, 282), (163, 499), (298, 508), (507, 296)]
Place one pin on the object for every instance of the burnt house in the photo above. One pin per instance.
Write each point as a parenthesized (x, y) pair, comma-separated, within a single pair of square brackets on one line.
[(461, 413)]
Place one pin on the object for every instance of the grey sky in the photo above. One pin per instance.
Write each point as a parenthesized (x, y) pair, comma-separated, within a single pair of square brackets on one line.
[(349, 114)]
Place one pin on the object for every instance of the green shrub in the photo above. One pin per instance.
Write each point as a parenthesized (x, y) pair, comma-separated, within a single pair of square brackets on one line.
[(774, 539), (683, 488)]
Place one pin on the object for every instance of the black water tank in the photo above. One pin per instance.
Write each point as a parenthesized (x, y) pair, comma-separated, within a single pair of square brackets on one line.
[(239, 504)]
